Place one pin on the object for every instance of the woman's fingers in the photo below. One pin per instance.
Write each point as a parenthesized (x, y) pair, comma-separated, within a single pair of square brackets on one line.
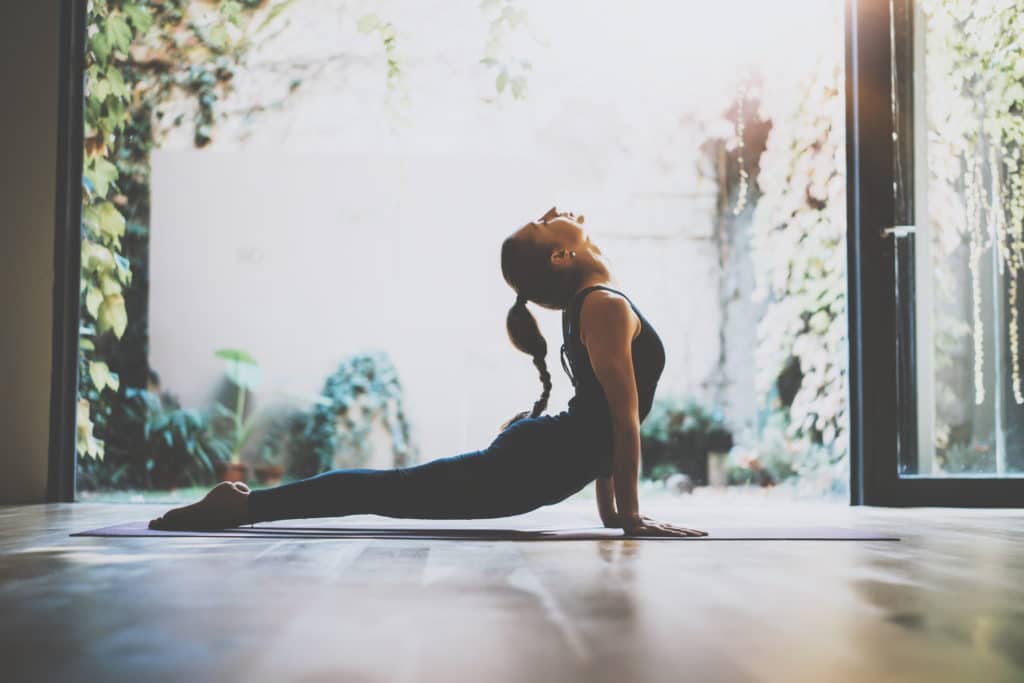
[(685, 531), (652, 528)]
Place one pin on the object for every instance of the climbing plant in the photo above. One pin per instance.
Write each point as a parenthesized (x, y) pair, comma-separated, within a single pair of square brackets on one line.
[(799, 257), (505, 17), (152, 66), (974, 73), (141, 58)]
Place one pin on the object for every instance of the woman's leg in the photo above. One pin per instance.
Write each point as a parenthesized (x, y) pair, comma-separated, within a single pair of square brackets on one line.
[(467, 486), (528, 465)]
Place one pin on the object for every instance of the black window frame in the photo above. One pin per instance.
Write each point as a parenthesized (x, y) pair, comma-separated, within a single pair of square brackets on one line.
[(62, 456), (879, 420), (881, 324)]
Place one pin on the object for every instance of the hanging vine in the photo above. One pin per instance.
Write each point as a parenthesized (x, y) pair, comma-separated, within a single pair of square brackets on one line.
[(139, 56), (975, 83)]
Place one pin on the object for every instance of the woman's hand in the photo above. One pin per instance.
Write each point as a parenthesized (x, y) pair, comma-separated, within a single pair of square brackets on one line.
[(642, 526)]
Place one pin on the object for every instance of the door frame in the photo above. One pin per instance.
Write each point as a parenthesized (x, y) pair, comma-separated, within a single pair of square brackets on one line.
[(62, 456), (877, 416), (883, 424)]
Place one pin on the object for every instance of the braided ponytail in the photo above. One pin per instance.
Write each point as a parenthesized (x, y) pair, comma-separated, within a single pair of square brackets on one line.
[(525, 335)]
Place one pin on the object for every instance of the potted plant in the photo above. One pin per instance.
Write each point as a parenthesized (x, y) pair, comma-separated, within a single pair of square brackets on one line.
[(270, 470), (683, 435), (243, 372), (156, 443)]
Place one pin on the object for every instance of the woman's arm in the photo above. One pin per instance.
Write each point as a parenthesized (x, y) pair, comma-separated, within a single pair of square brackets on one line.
[(604, 487), (607, 328)]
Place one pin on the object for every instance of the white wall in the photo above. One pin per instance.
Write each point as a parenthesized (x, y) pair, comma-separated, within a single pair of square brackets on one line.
[(303, 260), (344, 216), (29, 50)]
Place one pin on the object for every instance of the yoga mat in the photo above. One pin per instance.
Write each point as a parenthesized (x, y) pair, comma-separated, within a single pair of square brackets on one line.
[(473, 533)]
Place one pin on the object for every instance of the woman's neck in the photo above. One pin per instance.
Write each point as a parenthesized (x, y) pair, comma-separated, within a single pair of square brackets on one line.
[(592, 280)]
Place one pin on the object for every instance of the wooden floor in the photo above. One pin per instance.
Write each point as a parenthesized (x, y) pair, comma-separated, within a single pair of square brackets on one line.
[(944, 604)]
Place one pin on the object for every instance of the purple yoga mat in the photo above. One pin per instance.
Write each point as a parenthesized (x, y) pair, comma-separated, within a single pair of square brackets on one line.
[(472, 533)]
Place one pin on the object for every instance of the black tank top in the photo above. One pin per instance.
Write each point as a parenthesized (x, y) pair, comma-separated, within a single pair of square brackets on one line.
[(589, 400)]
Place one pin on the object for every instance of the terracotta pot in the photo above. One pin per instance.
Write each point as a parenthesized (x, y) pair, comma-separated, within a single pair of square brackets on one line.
[(231, 471), (269, 475)]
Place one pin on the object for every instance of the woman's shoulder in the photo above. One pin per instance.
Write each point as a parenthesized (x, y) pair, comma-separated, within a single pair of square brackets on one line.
[(605, 309), (600, 293)]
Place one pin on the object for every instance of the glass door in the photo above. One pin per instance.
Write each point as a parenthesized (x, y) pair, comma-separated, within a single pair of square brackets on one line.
[(965, 195), (936, 112)]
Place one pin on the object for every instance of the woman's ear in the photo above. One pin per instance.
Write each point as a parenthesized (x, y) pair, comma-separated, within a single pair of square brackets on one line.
[(560, 257)]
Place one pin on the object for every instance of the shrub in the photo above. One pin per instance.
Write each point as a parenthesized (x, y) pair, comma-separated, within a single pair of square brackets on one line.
[(155, 443), (678, 434), (365, 389)]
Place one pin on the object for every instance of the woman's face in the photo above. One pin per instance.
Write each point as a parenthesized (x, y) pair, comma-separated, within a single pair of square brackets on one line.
[(559, 229)]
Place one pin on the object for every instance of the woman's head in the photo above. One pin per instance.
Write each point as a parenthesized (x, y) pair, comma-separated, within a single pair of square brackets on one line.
[(546, 261)]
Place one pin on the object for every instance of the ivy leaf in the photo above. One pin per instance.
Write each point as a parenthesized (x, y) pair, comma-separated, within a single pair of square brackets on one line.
[(100, 374), (518, 85), (115, 117), (231, 10), (273, 14), (116, 84), (93, 299), (111, 222), (109, 285), (367, 23), (124, 268), (91, 221), (139, 17), (113, 315), (501, 81), (86, 344), (118, 33), (103, 173), (96, 257), (100, 88), (100, 46), (217, 37)]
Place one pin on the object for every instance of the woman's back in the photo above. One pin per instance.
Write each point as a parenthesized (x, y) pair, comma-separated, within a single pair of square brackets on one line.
[(589, 401)]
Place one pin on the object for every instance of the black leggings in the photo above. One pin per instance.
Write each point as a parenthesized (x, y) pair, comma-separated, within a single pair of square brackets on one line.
[(534, 462)]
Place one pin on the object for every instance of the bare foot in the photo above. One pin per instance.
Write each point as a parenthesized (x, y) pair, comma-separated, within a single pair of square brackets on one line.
[(226, 505)]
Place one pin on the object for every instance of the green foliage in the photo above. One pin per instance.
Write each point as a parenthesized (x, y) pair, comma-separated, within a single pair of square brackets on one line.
[(243, 372), (968, 458), (799, 253), (770, 454), (674, 416), (133, 65), (155, 443), (105, 274), (974, 74), (677, 435), (363, 391), (371, 23), (505, 18)]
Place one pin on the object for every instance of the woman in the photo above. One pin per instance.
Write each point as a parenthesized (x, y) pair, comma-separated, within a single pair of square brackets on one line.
[(614, 360)]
